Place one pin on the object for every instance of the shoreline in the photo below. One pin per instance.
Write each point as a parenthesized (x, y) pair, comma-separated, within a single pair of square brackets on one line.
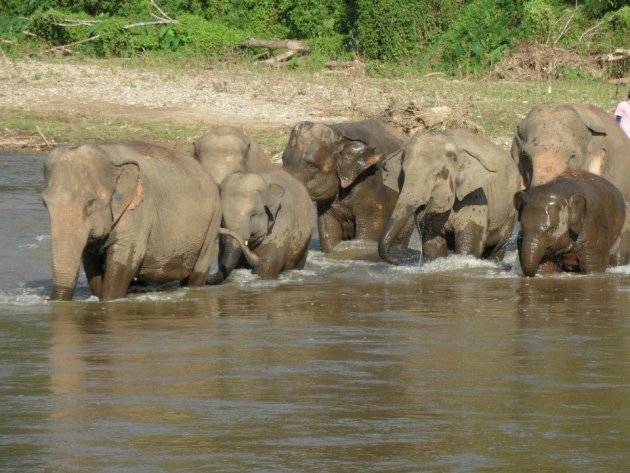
[(65, 100)]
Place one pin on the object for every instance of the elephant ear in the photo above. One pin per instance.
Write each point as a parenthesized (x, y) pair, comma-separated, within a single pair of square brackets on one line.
[(129, 192), (577, 213), (273, 200), (471, 174), (391, 169), (596, 150), (355, 157), (476, 161), (592, 121)]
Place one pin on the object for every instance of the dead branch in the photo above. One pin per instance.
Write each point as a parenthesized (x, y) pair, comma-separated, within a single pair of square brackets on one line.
[(616, 55), (592, 28), (70, 23), (292, 46), (564, 29), (162, 21), (64, 47), (43, 137), (164, 15), (159, 20)]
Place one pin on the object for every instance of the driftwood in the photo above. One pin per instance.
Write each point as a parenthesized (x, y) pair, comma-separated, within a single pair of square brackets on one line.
[(616, 55), (411, 118), (293, 48)]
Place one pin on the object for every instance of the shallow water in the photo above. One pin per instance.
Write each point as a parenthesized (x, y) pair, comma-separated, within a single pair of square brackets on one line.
[(455, 366)]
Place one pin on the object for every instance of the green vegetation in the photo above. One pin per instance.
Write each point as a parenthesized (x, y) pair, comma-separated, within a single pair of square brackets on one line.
[(452, 36)]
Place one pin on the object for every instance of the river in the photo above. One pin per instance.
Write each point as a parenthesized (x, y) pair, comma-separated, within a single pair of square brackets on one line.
[(454, 366)]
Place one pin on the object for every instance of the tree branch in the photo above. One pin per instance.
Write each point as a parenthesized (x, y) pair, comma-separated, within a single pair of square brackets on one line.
[(76, 43)]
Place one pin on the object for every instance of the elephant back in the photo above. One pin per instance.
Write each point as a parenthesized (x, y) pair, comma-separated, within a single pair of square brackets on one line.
[(374, 133)]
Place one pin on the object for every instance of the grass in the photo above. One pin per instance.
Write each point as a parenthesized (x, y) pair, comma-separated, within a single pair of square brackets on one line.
[(495, 105)]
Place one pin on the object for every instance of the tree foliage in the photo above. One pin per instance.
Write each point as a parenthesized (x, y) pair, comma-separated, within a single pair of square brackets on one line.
[(458, 36)]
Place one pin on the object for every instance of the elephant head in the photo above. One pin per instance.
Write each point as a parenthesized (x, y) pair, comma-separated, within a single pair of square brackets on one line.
[(548, 222), (250, 206), (226, 150), (86, 194), (436, 170), (554, 139), (353, 160), (325, 158)]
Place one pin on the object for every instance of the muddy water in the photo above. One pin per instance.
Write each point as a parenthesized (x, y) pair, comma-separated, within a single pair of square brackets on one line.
[(455, 366)]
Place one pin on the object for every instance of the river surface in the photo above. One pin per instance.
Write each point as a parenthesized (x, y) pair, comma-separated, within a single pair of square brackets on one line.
[(454, 366)]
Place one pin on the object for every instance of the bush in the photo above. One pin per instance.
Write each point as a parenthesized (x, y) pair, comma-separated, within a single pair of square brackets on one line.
[(539, 18), (208, 38), (480, 35)]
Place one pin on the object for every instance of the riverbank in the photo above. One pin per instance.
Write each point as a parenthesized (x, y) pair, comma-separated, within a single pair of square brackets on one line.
[(55, 101)]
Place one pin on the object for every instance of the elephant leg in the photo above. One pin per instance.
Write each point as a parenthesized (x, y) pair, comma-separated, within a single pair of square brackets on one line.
[(547, 267), (436, 247), (93, 266), (471, 230), (470, 240), (330, 231), (434, 243), (592, 263), (269, 267), (199, 275), (301, 260), (120, 268)]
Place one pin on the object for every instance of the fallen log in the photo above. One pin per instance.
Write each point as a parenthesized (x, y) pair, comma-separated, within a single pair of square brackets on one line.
[(293, 48)]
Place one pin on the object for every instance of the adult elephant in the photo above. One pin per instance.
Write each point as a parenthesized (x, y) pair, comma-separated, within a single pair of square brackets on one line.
[(226, 150), (128, 211), (553, 139), (459, 186), (271, 212), (358, 205)]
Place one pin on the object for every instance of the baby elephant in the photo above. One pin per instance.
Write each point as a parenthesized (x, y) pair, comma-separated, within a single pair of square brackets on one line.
[(272, 212), (573, 223)]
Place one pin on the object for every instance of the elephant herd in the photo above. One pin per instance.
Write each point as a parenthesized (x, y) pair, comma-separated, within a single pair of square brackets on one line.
[(133, 212)]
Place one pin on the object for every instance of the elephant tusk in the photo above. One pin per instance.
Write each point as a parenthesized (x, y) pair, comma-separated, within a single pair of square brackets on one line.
[(246, 242)]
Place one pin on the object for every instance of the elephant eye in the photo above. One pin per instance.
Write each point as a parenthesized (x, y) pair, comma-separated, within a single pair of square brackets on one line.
[(91, 202)]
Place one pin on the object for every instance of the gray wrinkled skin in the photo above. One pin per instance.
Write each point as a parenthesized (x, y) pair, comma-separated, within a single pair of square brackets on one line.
[(226, 150), (459, 188), (130, 211), (338, 165), (272, 212), (553, 139), (573, 223)]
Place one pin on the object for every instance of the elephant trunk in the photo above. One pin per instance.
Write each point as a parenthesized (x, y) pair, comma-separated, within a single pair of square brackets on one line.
[(67, 248), (231, 255), (530, 252), (233, 247), (396, 223)]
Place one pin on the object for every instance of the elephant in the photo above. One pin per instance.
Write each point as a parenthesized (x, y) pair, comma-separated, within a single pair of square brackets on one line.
[(225, 150), (130, 211), (553, 139), (336, 163), (272, 213), (459, 188), (573, 223)]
